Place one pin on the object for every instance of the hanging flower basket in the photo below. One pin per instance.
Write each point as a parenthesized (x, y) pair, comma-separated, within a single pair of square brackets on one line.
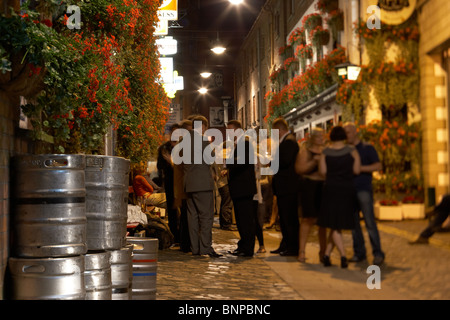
[(312, 21), (336, 22), (327, 6), (277, 76), (297, 37), (24, 78), (286, 52), (320, 37), (304, 52)]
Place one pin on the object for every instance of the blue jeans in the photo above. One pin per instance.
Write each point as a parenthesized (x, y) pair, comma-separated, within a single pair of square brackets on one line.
[(365, 205)]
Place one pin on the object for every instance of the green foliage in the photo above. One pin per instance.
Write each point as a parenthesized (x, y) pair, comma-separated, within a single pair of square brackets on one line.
[(104, 75)]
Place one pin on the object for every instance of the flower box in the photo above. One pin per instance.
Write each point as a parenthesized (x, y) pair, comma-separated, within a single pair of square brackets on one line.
[(413, 210), (392, 213)]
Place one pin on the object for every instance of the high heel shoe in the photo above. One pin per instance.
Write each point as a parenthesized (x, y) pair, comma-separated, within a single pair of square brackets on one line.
[(344, 263), (326, 261), (301, 257), (321, 254)]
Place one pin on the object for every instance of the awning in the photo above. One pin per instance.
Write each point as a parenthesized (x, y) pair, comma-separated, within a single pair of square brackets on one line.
[(323, 98)]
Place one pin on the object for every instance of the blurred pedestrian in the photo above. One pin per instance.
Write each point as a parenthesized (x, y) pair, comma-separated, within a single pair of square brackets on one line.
[(339, 163), (242, 183), (364, 195), (285, 188), (260, 214), (274, 218), (226, 204), (311, 184), (439, 215), (145, 192), (180, 196), (199, 186), (165, 166)]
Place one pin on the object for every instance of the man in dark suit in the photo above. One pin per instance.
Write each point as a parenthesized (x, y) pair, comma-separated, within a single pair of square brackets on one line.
[(242, 185), (285, 188), (165, 167), (199, 186)]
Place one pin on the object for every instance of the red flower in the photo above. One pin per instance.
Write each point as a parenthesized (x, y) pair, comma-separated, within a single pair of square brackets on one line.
[(47, 22)]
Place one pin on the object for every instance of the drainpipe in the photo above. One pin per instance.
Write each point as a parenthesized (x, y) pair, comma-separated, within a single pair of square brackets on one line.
[(356, 11), (258, 54)]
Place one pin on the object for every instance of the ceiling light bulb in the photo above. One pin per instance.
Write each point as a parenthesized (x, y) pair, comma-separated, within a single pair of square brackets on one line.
[(236, 1), (206, 74), (202, 90), (218, 50)]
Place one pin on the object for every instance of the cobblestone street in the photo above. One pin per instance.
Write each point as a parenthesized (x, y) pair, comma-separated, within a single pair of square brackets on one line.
[(409, 272)]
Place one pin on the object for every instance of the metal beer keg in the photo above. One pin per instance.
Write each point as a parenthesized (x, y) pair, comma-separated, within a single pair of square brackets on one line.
[(106, 201), (49, 209)]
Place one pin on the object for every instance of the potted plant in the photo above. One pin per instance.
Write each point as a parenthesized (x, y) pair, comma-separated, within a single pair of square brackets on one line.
[(320, 37), (336, 22), (388, 209), (298, 37), (327, 6), (304, 52), (84, 83), (312, 21), (413, 207)]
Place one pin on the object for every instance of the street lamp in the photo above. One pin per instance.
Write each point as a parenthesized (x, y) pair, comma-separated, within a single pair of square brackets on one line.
[(348, 71), (205, 74), (218, 48)]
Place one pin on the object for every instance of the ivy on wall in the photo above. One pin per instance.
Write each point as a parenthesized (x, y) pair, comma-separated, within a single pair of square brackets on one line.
[(391, 81)]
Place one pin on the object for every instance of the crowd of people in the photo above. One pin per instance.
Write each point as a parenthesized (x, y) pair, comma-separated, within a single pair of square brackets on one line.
[(320, 183)]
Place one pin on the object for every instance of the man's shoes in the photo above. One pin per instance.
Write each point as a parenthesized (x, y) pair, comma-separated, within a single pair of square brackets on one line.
[(214, 255), (288, 253), (276, 251), (242, 254), (238, 253), (420, 240), (378, 260), (356, 259)]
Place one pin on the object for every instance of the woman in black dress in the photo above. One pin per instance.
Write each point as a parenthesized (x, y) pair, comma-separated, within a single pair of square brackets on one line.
[(339, 163), (311, 184)]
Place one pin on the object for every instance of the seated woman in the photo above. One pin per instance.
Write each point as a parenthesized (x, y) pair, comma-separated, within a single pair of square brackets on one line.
[(144, 190)]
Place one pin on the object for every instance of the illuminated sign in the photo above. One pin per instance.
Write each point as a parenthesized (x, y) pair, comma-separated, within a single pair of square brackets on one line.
[(168, 10), (177, 84), (162, 28), (394, 12), (167, 46), (166, 70)]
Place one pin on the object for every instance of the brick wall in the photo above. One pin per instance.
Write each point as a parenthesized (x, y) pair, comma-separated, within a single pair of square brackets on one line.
[(7, 116), (13, 141)]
